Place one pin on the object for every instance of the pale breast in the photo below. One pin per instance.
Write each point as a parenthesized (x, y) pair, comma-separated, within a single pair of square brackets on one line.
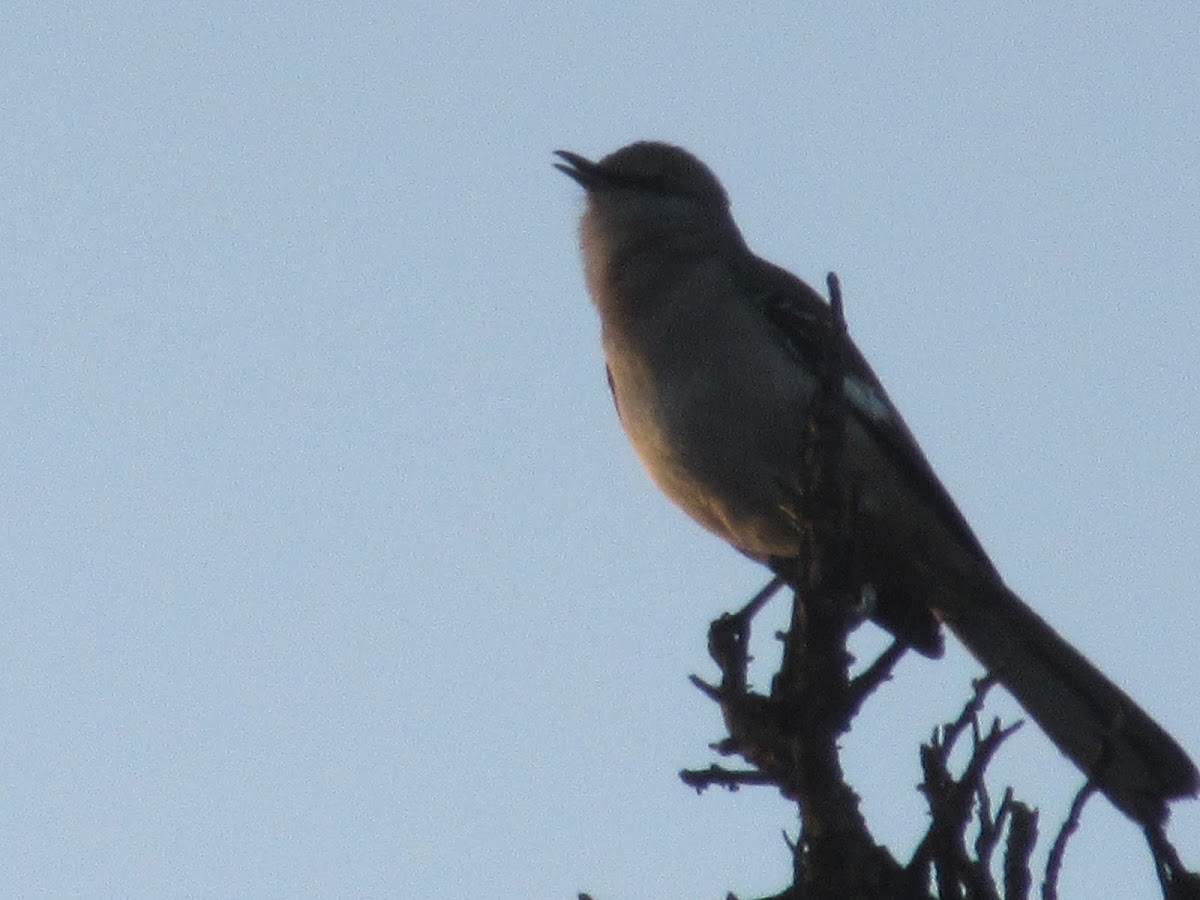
[(714, 424)]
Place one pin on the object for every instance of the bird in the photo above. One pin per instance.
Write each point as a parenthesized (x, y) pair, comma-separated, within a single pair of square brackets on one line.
[(714, 354)]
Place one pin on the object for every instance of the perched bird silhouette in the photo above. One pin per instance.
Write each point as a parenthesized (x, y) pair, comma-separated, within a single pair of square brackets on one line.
[(714, 354)]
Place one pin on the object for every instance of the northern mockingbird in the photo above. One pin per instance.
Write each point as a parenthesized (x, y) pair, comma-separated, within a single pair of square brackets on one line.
[(711, 357)]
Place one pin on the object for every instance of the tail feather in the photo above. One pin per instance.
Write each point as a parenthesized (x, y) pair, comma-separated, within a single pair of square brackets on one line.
[(1128, 755)]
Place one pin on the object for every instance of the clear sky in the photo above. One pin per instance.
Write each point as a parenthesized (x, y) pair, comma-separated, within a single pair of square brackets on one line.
[(326, 568)]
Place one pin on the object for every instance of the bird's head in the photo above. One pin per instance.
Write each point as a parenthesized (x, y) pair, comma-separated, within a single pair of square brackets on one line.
[(649, 195)]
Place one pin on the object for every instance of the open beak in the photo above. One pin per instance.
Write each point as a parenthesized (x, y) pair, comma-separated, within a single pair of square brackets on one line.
[(584, 171)]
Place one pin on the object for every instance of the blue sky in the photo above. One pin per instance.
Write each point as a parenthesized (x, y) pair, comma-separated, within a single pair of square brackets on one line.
[(327, 569)]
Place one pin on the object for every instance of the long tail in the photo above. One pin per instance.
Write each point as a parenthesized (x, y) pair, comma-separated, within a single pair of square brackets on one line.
[(1128, 755)]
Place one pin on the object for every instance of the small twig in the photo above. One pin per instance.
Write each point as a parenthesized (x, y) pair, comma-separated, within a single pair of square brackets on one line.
[(969, 714), (759, 600), (1022, 836), (835, 299), (950, 801), (985, 749), (990, 828), (710, 691), (729, 641), (872, 677), (730, 779), (1059, 847)]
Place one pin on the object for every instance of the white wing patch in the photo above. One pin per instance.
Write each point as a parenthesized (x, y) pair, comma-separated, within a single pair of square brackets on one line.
[(867, 400)]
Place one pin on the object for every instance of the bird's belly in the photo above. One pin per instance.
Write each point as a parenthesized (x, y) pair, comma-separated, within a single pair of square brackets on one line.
[(713, 459)]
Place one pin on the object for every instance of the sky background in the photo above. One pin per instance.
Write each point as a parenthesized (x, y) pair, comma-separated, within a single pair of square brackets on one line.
[(326, 568)]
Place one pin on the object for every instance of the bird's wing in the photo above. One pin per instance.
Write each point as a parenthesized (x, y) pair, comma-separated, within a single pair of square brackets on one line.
[(803, 320)]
